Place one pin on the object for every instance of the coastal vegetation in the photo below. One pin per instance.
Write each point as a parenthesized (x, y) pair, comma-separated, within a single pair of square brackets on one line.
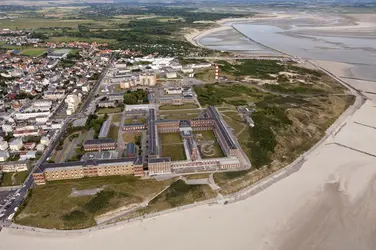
[(52, 206), (291, 108), (178, 194)]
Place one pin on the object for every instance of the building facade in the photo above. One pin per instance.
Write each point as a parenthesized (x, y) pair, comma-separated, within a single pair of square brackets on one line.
[(100, 144), (89, 168)]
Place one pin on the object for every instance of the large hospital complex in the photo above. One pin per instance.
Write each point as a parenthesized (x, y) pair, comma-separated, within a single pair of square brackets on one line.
[(155, 163)]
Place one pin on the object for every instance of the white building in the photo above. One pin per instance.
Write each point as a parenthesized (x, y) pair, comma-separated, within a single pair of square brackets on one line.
[(14, 166), (54, 94), (72, 101), (3, 145), (171, 74), (146, 80), (25, 116), (173, 91), (42, 104), (40, 147), (187, 70), (7, 128), (16, 144), (44, 140), (4, 155)]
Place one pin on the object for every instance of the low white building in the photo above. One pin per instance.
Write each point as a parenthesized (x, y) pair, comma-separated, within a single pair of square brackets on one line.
[(14, 166), (3, 145), (7, 128), (16, 144), (24, 116), (72, 101), (4, 155), (44, 140), (187, 70), (173, 91), (171, 74), (40, 147)]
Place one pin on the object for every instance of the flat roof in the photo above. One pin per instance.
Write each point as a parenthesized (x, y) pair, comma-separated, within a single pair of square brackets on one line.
[(86, 163), (100, 141), (161, 159)]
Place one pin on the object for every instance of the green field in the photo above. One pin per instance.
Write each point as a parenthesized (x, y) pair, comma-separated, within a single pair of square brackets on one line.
[(197, 176), (113, 133), (33, 52), (79, 39), (205, 135), (179, 115), (176, 152), (209, 147), (172, 146), (108, 110), (232, 94), (33, 23), (50, 206), (170, 138), (174, 107), (234, 120), (19, 178), (136, 119), (116, 118)]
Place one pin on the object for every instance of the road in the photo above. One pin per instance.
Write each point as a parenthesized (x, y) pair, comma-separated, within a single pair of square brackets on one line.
[(96, 86)]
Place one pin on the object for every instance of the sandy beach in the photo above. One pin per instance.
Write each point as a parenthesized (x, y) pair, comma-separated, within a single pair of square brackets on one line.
[(194, 36)]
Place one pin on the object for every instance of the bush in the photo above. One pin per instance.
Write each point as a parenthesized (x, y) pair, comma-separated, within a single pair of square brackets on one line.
[(99, 202), (75, 215)]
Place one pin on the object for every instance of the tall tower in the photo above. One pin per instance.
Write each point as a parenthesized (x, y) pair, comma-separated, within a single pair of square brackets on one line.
[(216, 72)]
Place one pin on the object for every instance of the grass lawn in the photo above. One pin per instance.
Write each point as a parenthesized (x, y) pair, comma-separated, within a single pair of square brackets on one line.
[(233, 119), (178, 194), (79, 39), (19, 178), (108, 110), (116, 118), (206, 135), (181, 117), (135, 119), (50, 206), (212, 150), (176, 152), (113, 133), (32, 23), (215, 151), (129, 137), (197, 176), (33, 52), (170, 138), (174, 107)]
